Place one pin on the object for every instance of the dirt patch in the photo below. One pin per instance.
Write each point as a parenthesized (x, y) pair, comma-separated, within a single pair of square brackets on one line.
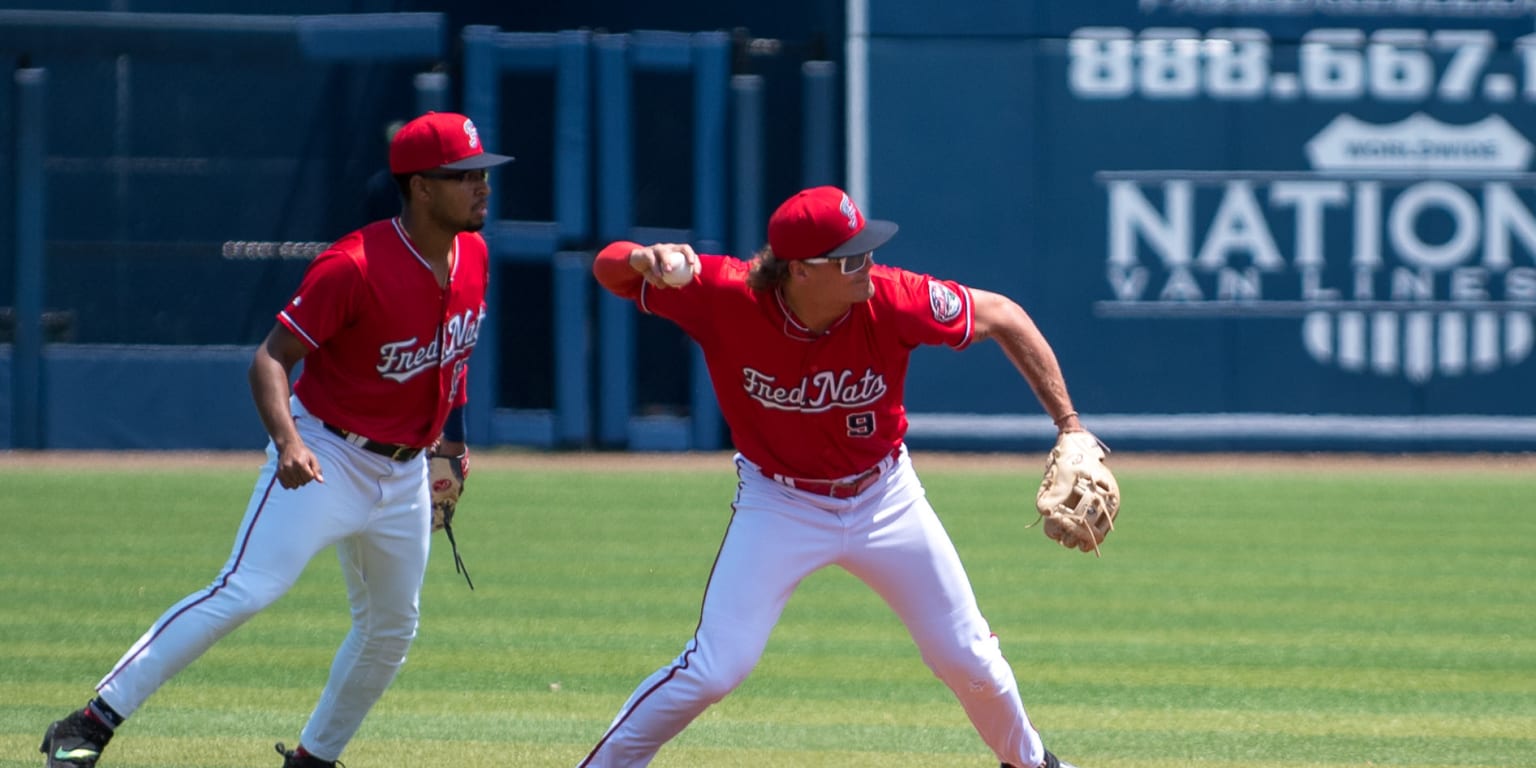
[(513, 460)]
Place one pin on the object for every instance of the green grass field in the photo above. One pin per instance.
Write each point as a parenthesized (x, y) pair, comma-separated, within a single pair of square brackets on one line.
[(1246, 618)]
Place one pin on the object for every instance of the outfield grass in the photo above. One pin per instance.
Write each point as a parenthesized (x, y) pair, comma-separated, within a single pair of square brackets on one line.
[(1253, 618)]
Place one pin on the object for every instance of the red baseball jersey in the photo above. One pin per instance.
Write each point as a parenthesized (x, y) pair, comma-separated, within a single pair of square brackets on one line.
[(388, 346), (818, 406)]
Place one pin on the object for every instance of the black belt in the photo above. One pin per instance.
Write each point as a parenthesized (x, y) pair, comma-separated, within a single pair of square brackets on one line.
[(388, 450)]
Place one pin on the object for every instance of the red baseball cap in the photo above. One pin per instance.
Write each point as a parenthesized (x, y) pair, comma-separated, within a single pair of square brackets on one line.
[(824, 222), (439, 140)]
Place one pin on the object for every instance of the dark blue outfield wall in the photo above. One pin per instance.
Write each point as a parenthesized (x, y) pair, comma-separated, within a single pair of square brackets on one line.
[(141, 397), (1241, 224), (109, 397)]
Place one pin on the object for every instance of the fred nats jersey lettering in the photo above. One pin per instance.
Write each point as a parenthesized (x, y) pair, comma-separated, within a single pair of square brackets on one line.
[(801, 404), (389, 347)]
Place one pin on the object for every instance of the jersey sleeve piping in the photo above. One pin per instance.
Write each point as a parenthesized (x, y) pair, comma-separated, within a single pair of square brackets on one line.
[(293, 325), (970, 319)]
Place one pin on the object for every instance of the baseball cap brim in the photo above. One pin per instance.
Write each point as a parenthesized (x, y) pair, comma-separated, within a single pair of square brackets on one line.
[(874, 234), (476, 162)]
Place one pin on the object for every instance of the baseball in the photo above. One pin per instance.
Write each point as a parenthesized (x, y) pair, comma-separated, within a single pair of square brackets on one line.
[(675, 269)]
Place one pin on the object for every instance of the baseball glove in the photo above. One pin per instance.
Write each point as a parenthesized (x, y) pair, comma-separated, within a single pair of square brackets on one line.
[(447, 478), (1078, 497), (448, 474)]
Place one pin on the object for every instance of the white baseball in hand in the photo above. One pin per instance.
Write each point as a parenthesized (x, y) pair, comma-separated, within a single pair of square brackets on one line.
[(675, 269)]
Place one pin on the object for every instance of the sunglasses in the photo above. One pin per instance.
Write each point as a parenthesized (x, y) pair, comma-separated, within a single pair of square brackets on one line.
[(476, 176), (848, 264)]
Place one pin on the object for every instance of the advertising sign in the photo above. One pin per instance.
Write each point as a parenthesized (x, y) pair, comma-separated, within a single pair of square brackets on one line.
[(1240, 222)]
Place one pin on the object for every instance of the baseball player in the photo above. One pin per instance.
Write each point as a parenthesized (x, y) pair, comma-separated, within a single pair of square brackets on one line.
[(807, 347), (384, 321)]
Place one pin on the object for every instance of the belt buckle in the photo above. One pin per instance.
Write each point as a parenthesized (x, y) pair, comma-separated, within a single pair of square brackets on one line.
[(869, 480), (402, 453), (862, 483), (845, 489)]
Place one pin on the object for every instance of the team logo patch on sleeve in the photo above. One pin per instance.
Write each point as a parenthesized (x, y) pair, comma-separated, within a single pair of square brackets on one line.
[(945, 302)]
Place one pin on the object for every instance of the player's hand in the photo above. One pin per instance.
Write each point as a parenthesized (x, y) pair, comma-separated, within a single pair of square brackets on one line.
[(296, 466), (647, 261)]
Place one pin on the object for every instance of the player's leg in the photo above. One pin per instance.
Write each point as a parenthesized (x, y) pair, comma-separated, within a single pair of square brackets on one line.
[(383, 566), (280, 532), (911, 562), (773, 541)]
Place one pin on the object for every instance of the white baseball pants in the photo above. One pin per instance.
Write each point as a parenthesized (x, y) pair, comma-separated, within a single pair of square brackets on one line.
[(378, 514), (889, 538)]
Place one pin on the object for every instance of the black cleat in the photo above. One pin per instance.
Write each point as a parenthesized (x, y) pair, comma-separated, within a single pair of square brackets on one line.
[(74, 742), (1051, 761), (291, 760)]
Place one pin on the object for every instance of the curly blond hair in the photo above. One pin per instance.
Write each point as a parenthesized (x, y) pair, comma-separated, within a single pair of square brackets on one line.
[(768, 271)]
